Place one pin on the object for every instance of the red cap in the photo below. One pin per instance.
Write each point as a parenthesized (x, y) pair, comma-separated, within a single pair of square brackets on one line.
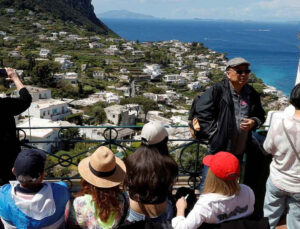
[(224, 165)]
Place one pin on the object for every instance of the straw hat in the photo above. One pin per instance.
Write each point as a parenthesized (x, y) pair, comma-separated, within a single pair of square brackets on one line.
[(102, 169)]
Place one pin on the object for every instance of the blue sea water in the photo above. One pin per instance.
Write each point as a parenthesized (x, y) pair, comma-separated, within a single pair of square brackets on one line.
[(272, 48)]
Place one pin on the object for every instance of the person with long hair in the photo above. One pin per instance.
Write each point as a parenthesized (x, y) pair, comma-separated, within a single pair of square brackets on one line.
[(222, 199), (283, 184), (100, 203), (151, 175)]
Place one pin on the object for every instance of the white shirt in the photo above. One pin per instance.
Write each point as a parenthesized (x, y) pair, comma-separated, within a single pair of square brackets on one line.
[(285, 166), (217, 208)]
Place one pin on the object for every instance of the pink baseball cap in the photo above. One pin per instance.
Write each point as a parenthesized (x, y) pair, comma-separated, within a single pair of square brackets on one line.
[(224, 165)]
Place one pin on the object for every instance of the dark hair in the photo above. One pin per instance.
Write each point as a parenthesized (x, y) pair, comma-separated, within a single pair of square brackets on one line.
[(150, 175), (295, 96), (105, 199), (162, 146)]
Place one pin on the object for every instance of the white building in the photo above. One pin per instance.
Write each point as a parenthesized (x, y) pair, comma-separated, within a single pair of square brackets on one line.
[(38, 93), (49, 109), (44, 53), (14, 54), (187, 75), (65, 62), (99, 75), (194, 86), (202, 65), (48, 134), (73, 37), (2, 33), (71, 77), (204, 79), (153, 70), (9, 38), (119, 115), (174, 78), (112, 98), (62, 33), (112, 50), (94, 45)]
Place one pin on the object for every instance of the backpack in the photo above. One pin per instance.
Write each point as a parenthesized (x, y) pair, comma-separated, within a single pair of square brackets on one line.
[(208, 127)]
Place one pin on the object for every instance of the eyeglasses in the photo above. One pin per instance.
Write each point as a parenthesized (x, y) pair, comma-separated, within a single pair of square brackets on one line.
[(240, 72)]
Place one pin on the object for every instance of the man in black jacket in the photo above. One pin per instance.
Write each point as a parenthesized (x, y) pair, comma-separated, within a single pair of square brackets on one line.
[(228, 111), (9, 143)]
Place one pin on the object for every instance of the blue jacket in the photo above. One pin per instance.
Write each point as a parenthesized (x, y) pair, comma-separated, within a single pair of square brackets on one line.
[(12, 214)]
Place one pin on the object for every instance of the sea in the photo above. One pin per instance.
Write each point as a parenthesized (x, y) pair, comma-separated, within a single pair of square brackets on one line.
[(272, 48)]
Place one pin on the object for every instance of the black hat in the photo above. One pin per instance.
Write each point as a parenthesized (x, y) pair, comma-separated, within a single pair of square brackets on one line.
[(30, 162)]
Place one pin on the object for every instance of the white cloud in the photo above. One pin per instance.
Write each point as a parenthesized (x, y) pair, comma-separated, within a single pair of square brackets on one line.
[(277, 4), (289, 9)]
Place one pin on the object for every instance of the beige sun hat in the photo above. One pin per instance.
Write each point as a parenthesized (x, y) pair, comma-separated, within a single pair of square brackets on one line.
[(102, 169)]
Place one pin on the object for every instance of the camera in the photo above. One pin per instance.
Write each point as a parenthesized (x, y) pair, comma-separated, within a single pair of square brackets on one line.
[(3, 72)]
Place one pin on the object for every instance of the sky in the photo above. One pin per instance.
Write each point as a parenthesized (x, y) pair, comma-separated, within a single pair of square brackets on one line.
[(257, 10)]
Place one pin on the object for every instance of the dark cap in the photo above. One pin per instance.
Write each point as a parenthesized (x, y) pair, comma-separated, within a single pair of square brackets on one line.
[(236, 62), (30, 162)]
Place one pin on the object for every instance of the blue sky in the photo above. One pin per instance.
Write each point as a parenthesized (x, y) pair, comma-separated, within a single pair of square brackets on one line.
[(258, 10)]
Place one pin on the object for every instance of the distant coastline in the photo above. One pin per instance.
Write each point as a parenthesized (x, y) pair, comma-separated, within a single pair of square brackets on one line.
[(124, 14), (272, 48)]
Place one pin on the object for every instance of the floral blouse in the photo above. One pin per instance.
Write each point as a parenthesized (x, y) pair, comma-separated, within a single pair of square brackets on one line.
[(83, 214)]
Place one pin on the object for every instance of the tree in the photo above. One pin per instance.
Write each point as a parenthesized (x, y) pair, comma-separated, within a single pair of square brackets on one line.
[(43, 73), (147, 104), (97, 115)]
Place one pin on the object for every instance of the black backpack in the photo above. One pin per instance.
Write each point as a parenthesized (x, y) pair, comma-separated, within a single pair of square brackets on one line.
[(208, 127)]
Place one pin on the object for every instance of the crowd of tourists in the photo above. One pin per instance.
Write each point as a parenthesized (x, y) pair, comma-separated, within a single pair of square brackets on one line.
[(137, 192)]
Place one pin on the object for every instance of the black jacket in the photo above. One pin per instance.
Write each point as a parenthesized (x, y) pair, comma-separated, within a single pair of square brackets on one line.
[(9, 108), (215, 112)]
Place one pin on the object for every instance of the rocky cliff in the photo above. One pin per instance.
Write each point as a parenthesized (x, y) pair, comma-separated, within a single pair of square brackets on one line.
[(79, 11)]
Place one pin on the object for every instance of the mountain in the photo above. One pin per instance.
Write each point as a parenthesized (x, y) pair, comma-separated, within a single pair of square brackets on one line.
[(80, 12), (124, 14)]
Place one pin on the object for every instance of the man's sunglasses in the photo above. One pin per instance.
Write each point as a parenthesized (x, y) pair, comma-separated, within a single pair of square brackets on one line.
[(240, 72)]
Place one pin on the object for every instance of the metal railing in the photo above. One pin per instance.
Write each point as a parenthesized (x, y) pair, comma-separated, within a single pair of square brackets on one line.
[(67, 145)]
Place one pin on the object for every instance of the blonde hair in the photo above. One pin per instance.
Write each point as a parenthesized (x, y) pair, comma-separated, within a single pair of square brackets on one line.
[(214, 184)]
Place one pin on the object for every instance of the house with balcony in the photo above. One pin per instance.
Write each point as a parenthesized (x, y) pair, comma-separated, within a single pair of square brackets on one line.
[(49, 109), (175, 79)]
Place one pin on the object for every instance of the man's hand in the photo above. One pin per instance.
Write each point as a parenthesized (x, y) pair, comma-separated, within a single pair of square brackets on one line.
[(196, 124), (181, 206), (13, 76), (247, 124)]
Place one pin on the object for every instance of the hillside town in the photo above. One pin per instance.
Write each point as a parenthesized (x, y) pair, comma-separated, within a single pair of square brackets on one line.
[(74, 74), (80, 78)]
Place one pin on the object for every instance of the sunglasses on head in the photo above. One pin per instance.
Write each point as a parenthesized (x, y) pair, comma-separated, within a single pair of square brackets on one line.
[(240, 72)]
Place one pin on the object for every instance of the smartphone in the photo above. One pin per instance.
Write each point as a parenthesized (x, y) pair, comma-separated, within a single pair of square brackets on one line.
[(3, 72)]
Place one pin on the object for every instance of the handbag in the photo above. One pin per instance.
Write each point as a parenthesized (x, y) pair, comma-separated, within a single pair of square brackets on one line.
[(290, 141)]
